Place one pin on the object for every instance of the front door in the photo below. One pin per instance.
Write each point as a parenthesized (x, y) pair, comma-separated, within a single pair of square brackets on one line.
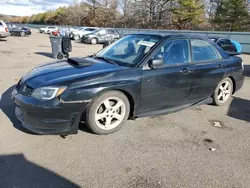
[(169, 85)]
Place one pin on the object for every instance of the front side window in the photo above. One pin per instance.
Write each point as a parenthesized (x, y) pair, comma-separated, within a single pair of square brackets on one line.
[(203, 51), (130, 50), (174, 52)]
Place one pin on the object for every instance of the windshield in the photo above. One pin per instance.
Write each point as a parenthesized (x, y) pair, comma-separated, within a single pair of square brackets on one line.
[(129, 50)]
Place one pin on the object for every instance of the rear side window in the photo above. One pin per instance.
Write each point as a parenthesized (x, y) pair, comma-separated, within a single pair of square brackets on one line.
[(203, 51), (89, 29), (1, 24), (223, 42)]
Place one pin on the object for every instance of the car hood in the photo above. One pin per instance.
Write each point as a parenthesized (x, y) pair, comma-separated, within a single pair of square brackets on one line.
[(65, 72)]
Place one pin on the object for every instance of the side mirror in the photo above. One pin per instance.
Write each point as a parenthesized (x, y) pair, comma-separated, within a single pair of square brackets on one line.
[(155, 63)]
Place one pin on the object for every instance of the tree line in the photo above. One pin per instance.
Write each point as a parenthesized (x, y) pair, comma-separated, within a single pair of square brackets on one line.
[(227, 15)]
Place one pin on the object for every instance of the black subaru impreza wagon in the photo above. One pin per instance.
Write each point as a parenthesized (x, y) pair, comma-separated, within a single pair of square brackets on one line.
[(138, 75)]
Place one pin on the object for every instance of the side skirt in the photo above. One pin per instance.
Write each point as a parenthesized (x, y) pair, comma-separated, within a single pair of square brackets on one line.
[(171, 110)]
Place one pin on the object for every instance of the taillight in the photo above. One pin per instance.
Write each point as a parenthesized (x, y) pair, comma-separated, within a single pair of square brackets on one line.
[(6, 29)]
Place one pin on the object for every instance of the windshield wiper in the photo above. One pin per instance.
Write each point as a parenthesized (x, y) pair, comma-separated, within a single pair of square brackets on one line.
[(106, 59)]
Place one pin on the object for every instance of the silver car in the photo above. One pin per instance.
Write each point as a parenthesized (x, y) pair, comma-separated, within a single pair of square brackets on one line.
[(4, 31)]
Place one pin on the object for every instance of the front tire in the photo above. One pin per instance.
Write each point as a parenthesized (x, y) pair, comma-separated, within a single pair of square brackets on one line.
[(108, 113), (223, 92)]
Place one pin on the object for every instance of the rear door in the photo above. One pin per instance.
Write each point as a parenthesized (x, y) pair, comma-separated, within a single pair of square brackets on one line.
[(102, 35), (169, 85), (209, 69), (110, 35)]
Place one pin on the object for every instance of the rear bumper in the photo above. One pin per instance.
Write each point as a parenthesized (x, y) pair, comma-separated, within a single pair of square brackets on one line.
[(4, 34), (52, 117)]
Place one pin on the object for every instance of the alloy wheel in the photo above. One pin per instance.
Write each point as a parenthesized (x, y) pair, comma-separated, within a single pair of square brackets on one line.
[(110, 113), (224, 91)]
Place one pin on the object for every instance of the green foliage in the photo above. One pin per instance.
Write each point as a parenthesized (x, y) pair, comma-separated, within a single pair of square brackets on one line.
[(232, 15), (153, 14), (187, 13)]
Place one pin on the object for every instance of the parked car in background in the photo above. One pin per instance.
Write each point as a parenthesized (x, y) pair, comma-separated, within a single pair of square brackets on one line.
[(72, 33), (4, 31), (83, 31), (10, 25), (20, 31), (55, 33), (225, 44), (237, 45), (139, 75), (48, 29), (101, 36)]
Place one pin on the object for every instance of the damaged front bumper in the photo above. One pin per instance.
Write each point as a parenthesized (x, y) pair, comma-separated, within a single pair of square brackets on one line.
[(50, 117)]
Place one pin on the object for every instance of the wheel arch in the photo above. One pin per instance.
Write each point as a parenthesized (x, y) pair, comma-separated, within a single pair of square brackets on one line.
[(234, 83), (131, 102)]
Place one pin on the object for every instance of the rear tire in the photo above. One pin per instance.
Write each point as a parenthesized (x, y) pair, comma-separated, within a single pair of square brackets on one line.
[(22, 34), (108, 112), (93, 41), (223, 92)]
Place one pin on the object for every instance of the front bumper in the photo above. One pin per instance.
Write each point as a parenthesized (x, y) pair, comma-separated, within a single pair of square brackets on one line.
[(50, 117)]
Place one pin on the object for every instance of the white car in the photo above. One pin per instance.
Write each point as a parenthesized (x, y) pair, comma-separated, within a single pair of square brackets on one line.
[(48, 30), (4, 31), (78, 34)]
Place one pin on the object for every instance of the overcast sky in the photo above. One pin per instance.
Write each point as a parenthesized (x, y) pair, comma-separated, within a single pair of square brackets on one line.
[(29, 7)]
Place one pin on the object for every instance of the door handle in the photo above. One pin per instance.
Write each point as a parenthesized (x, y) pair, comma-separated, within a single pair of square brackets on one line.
[(219, 66), (186, 71)]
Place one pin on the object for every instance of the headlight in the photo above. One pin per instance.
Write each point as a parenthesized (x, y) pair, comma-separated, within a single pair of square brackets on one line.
[(47, 93)]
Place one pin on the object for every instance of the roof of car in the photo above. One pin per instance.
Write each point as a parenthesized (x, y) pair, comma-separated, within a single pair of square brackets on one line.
[(172, 35), (216, 38)]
